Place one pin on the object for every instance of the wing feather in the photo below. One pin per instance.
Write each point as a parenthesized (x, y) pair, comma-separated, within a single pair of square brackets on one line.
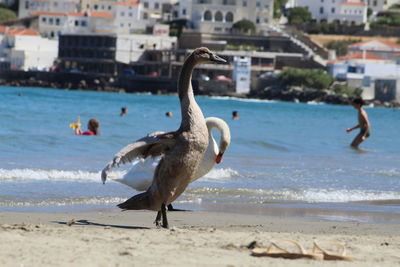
[(154, 145)]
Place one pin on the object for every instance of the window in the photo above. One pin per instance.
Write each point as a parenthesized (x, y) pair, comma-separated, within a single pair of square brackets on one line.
[(244, 3), (130, 14), (57, 21), (375, 3), (146, 4), (87, 6), (218, 29), (258, 4), (184, 11), (265, 20), (109, 7), (76, 22), (218, 16), (121, 25), (26, 4), (156, 5), (322, 1), (321, 10), (51, 21), (95, 7), (145, 16), (257, 20), (332, 10), (207, 15), (44, 19), (229, 17), (83, 23), (55, 4), (122, 14)]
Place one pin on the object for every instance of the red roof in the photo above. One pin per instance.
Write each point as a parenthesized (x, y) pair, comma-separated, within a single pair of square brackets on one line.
[(3, 29), (90, 13), (368, 56), (25, 32), (128, 3), (353, 3)]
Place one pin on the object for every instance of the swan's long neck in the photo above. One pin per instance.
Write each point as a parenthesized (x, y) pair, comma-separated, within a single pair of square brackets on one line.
[(189, 107), (216, 123)]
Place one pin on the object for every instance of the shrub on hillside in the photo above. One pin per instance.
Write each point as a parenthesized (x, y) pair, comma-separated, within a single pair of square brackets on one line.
[(310, 78)]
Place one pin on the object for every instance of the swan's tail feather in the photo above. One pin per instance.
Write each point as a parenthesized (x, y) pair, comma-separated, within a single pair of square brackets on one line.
[(138, 202)]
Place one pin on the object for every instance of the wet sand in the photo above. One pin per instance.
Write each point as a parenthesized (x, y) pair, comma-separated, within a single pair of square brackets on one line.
[(111, 238)]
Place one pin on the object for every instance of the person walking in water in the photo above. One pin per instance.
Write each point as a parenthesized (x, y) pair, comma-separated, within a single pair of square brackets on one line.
[(363, 123)]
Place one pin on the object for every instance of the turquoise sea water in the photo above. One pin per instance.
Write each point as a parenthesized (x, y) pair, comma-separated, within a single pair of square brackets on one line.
[(282, 154)]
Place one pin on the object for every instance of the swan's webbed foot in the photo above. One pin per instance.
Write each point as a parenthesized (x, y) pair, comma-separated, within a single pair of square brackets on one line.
[(164, 216), (157, 221)]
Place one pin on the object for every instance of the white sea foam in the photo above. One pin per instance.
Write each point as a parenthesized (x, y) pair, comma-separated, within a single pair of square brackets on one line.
[(220, 174), (38, 174), (310, 195), (243, 99)]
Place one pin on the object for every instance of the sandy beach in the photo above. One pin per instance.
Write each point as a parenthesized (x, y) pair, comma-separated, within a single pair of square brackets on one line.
[(111, 238)]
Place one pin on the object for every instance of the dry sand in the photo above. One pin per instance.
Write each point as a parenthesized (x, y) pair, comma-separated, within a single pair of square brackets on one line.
[(110, 238)]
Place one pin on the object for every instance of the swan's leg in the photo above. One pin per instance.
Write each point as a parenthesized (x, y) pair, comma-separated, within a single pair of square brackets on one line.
[(164, 216), (158, 219)]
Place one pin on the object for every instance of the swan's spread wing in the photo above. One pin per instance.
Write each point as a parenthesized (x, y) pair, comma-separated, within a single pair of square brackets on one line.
[(154, 145)]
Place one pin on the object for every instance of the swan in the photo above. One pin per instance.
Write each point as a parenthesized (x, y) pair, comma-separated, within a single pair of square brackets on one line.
[(181, 151), (140, 176)]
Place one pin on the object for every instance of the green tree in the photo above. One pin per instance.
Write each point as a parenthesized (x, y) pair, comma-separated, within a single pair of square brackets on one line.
[(6, 15), (278, 8), (299, 15), (310, 78), (244, 26), (340, 46)]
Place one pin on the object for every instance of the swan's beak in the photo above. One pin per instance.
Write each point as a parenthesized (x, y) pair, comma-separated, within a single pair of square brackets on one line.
[(218, 159), (215, 58)]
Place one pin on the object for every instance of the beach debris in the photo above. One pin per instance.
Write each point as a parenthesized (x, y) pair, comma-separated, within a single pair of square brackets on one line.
[(279, 249), (125, 253), (71, 222), (252, 244)]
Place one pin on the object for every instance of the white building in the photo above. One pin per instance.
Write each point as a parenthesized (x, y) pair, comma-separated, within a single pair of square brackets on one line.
[(52, 24), (99, 5), (242, 74), (384, 49), (218, 16), (27, 50), (379, 5), (26, 7), (349, 12), (362, 69), (131, 47)]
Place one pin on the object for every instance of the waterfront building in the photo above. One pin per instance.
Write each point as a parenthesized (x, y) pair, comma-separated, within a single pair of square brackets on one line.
[(218, 16), (53, 24), (25, 49), (242, 74), (362, 69), (349, 12), (26, 7), (106, 53), (381, 48)]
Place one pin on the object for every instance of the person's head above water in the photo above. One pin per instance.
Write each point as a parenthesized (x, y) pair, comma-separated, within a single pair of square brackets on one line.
[(93, 125), (169, 114), (357, 102), (235, 115), (124, 110)]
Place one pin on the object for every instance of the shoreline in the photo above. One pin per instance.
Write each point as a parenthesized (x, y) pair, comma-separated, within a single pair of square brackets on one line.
[(376, 213), (194, 239), (290, 94)]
